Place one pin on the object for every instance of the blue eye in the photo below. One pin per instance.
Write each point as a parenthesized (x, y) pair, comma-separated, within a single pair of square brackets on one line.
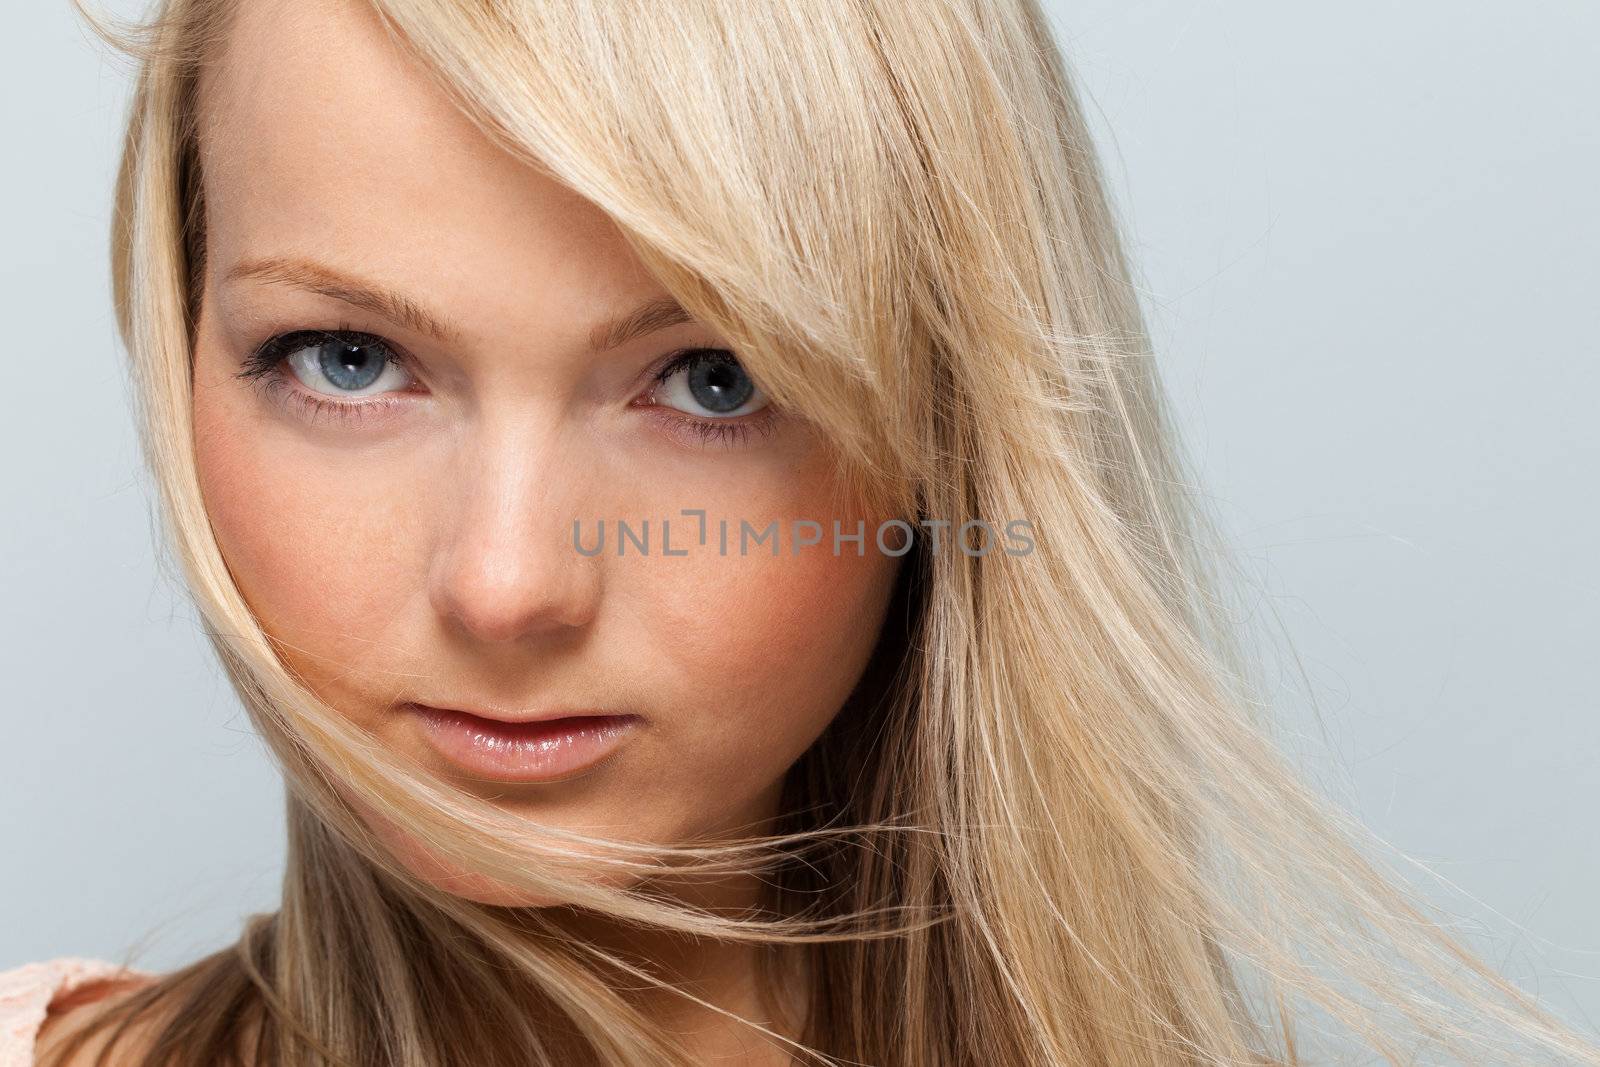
[(709, 383), (352, 363)]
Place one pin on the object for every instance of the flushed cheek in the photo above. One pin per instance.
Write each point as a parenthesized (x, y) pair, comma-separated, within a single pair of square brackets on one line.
[(758, 652), (319, 555)]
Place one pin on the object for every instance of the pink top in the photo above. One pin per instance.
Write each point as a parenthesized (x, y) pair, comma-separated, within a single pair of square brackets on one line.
[(27, 992)]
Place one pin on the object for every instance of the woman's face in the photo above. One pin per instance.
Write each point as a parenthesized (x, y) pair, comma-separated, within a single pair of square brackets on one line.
[(397, 501)]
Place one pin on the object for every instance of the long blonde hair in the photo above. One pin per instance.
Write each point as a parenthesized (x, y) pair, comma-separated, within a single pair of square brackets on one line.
[(1048, 828)]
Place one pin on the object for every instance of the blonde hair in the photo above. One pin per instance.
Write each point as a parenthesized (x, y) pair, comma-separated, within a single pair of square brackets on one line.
[(1049, 828)]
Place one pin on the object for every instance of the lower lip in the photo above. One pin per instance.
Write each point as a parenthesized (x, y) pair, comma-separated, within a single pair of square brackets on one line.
[(548, 751)]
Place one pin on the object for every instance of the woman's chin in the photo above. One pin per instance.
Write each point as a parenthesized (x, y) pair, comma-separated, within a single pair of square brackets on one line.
[(467, 885), (446, 877), (484, 890)]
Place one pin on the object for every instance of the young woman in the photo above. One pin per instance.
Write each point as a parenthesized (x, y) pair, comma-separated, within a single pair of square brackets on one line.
[(682, 490)]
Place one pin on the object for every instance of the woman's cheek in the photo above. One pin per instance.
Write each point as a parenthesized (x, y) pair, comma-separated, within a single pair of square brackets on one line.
[(316, 561), (765, 648)]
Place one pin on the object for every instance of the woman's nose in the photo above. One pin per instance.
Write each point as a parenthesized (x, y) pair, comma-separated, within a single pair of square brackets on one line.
[(505, 567)]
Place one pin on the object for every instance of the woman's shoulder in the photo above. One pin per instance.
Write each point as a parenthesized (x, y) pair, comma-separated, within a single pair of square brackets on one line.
[(34, 992)]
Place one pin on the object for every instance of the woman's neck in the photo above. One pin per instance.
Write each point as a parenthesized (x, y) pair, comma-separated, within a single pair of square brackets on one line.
[(765, 984)]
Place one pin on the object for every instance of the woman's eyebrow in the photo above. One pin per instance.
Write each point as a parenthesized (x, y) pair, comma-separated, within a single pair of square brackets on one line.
[(337, 285), (648, 317), (656, 314)]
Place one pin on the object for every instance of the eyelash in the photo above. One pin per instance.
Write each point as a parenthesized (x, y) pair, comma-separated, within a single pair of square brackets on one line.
[(730, 432), (263, 366)]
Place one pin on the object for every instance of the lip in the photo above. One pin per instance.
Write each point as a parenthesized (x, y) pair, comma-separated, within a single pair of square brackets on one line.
[(550, 747)]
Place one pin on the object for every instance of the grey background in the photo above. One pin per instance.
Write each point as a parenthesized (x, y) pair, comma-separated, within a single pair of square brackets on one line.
[(1367, 236)]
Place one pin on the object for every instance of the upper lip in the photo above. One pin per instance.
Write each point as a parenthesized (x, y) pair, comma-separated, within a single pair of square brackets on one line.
[(514, 716)]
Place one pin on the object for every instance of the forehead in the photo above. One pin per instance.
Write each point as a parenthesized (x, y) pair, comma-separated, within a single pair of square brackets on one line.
[(321, 136)]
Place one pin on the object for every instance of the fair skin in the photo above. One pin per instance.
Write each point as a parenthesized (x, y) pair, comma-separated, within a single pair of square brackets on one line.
[(423, 550)]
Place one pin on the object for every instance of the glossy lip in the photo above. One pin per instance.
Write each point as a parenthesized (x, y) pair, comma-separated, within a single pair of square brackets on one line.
[(550, 747)]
